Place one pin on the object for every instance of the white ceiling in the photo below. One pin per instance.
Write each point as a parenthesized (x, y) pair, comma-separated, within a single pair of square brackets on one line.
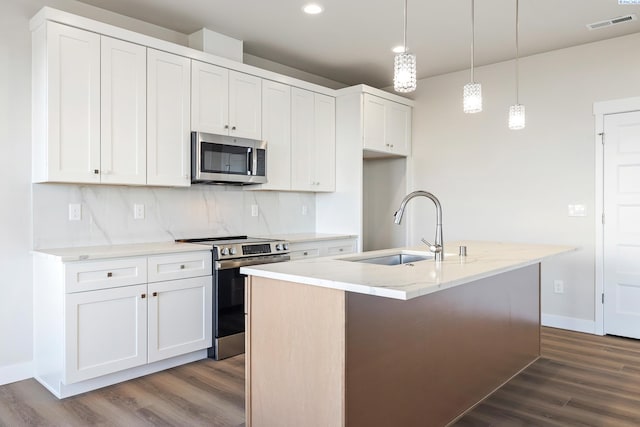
[(351, 41)]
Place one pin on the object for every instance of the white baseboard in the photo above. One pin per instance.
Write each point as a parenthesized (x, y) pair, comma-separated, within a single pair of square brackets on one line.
[(18, 372), (569, 323)]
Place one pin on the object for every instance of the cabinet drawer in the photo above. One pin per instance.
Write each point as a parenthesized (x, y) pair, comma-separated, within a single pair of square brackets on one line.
[(346, 248), (88, 276), (179, 266), (305, 253)]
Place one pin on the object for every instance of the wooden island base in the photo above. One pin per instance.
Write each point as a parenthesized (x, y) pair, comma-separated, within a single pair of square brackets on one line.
[(325, 357)]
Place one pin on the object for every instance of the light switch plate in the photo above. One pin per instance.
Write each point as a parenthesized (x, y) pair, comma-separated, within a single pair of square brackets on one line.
[(254, 210), (558, 286), (75, 211), (577, 210)]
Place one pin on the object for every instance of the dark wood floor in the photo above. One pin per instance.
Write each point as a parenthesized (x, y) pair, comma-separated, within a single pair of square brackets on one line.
[(581, 380)]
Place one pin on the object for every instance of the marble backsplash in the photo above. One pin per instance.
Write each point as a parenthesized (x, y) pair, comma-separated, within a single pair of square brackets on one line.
[(170, 213)]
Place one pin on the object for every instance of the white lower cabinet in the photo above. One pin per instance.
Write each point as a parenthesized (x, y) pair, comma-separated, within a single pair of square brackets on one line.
[(179, 317), (106, 331), (97, 319)]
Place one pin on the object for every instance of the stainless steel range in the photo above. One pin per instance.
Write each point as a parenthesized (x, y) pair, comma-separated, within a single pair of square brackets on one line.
[(229, 254)]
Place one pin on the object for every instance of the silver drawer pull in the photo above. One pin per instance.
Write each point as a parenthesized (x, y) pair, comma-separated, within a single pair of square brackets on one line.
[(143, 296), (155, 294), (109, 274), (305, 253), (182, 267)]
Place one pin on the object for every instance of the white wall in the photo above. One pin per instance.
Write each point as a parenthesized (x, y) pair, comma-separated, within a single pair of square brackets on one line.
[(107, 210), (498, 184)]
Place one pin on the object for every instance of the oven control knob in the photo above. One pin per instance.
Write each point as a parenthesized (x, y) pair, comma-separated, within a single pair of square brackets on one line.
[(224, 251), (285, 246), (232, 251), (279, 247)]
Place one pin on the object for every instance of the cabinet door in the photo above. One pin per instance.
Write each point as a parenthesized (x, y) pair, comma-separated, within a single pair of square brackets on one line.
[(209, 98), (398, 128), (168, 119), (302, 136), (106, 331), (73, 105), (324, 158), (245, 105), (123, 141), (374, 123), (276, 130), (180, 317)]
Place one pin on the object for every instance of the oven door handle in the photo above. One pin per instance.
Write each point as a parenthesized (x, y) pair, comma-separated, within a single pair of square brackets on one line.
[(244, 262)]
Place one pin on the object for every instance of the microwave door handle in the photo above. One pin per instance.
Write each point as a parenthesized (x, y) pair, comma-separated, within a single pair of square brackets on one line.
[(250, 161)]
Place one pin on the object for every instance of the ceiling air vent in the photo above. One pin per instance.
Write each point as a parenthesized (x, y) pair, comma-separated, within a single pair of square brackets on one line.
[(612, 21)]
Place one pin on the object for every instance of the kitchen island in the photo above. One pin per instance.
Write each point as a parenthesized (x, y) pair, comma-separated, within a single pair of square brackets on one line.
[(344, 341)]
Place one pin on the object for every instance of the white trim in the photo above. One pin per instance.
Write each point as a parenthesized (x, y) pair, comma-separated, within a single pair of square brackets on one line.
[(569, 323), (600, 109), (376, 92), (18, 372), (51, 14)]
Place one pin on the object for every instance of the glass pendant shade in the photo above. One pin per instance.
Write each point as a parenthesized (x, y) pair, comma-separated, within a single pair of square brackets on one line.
[(472, 98), (516, 117), (404, 72)]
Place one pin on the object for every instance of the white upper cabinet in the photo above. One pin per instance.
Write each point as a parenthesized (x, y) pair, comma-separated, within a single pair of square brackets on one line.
[(225, 102), (276, 130), (168, 119), (66, 93), (312, 141), (123, 141), (387, 126)]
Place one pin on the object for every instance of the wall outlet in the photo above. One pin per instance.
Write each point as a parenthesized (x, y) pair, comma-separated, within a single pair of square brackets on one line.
[(75, 211), (305, 210), (138, 211), (558, 286), (254, 210)]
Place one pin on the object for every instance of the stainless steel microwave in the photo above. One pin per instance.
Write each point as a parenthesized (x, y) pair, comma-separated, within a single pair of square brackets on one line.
[(220, 159)]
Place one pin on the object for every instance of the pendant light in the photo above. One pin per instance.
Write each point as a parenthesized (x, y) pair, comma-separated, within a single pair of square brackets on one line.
[(404, 70), (472, 92), (516, 111)]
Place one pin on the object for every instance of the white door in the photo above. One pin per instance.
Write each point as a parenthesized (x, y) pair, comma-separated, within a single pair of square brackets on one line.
[(209, 98), (106, 331), (398, 128), (622, 224), (302, 136), (73, 99), (180, 317), (123, 141), (324, 158), (245, 105), (276, 130), (168, 119)]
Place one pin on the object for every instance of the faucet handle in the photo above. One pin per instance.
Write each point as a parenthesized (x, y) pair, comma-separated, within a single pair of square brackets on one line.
[(432, 248)]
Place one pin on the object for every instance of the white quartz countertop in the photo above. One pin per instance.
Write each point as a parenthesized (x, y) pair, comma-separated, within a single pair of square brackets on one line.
[(119, 251), (308, 237), (407, 281)]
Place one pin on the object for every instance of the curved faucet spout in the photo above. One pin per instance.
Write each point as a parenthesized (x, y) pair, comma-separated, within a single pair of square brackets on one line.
[(438, 246)]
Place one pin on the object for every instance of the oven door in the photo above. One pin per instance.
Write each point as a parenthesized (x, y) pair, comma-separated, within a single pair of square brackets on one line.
[(229, 303)]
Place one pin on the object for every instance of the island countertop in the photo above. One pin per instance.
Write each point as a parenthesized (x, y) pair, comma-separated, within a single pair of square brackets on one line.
[(407, 281)]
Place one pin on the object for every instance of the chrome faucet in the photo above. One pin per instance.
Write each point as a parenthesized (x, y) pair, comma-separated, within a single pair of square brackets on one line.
[(437, 247)]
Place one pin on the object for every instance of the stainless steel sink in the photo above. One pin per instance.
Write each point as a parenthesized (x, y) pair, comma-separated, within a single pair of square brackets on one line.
[(392, 259)]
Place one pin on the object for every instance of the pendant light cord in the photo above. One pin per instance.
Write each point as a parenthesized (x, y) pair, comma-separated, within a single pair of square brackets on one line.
[(517, 53), (404, 42), (473, 36)]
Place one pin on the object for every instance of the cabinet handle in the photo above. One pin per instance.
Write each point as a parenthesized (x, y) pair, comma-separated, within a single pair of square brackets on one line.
[(155, 294), (305, 253), (143, 296), (96, 171), (341, 249), (226, 126), (233, 128), (182, 267), (109, 274)]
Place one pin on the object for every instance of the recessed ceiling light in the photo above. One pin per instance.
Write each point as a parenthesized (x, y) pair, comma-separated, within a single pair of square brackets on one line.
[(312, 9), (398, 49)]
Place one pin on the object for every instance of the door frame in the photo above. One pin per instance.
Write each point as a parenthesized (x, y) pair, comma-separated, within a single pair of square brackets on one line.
[(600, 110)]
